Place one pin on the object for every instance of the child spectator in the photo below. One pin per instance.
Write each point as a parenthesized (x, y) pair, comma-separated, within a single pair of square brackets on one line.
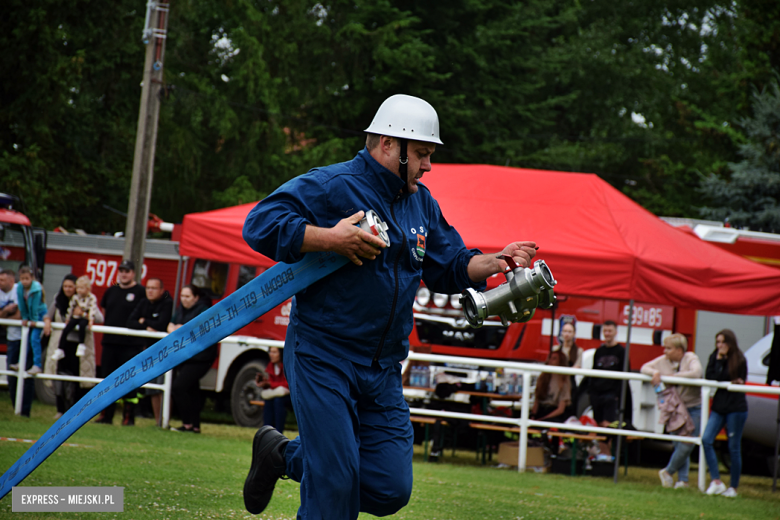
[(32, 308), (81, 313)]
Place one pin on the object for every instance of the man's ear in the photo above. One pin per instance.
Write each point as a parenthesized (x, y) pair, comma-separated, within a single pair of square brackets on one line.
[(387, 144)]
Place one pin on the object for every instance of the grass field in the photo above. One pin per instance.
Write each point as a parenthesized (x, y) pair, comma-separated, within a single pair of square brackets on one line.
[(175, 475)]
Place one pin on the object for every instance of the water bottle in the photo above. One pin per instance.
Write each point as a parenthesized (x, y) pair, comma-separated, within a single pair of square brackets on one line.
[(478, 384), (413, 376), (426, 377), (489, 383), (660, 387)]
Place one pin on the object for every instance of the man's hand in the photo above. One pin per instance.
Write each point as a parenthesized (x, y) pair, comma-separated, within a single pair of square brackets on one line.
[(483, 266), (521, 252), (141, 320), (9, 310), (345, 238), (351, 241)]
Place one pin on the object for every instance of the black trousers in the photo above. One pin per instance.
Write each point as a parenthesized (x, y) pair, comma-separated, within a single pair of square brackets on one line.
[(81, 323), (186, 390), (68, 392), (113, 357)]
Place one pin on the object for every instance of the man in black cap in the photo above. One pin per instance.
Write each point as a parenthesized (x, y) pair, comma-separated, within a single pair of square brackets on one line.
[(119, 301)]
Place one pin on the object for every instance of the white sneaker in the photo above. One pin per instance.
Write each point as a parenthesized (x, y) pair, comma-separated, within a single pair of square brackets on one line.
[(730, 492), (14, 367), (81, 350), (666, 479), (716, 489), (681, 484), (58, 354), (34, 370)]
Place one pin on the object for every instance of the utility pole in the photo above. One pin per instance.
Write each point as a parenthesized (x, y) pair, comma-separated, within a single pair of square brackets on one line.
[(154, 35)]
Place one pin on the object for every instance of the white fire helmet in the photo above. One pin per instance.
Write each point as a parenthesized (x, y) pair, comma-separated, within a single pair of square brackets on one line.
[(406, 117)]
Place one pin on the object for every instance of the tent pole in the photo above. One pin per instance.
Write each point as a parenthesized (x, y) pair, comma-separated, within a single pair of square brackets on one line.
[(552, 325), (777, 449), (623, 386), (178, 281)]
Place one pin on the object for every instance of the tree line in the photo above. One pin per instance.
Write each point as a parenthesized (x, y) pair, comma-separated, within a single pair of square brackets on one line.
[(655, 96)]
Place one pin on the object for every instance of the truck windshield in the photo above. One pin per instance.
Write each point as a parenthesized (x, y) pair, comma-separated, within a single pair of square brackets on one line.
[(15, 246)]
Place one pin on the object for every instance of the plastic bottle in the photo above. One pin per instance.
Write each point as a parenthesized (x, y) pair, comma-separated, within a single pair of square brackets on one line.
[(426, 377), (660, 387), (413, 376), (478, 385), (489, 383)]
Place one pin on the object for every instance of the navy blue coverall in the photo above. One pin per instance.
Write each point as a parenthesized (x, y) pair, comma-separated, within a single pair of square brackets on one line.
[(349, 331)]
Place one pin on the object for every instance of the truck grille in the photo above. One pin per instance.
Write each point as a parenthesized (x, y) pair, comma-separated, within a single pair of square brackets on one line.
[(452, 335)]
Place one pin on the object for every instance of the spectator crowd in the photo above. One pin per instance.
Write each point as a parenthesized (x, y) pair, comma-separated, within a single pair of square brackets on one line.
[(70, 351)]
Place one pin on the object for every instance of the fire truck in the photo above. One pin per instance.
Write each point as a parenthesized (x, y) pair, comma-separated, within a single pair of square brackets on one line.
[(441, 326), (20, 243)]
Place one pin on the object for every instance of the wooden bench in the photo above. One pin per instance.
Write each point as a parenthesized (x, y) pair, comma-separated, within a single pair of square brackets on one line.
[(576, 437), (427, 421), (482, 446)]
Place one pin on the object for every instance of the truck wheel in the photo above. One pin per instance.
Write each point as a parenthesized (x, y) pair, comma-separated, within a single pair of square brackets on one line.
[(44, 393), (244, 390)]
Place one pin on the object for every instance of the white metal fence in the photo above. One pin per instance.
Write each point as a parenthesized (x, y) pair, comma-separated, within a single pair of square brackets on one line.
[(524, 422), (22, 374)]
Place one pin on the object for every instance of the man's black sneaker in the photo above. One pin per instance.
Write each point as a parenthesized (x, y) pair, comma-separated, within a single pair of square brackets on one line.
[(268, 466)]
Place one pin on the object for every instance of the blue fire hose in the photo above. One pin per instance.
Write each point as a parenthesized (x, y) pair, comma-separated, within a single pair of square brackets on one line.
[(259, 296)]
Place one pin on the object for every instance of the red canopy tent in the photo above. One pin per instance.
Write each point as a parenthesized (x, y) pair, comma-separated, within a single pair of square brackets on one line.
[(597, 241), (216, 235)]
